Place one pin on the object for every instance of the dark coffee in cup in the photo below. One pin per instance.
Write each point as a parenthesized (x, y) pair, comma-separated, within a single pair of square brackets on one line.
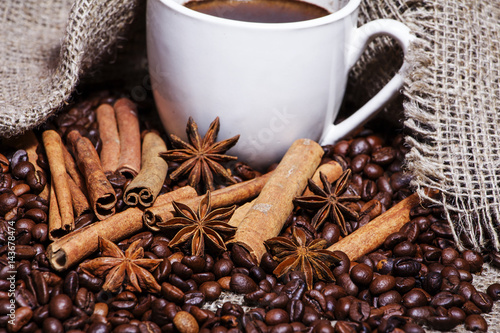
[(261, 11)]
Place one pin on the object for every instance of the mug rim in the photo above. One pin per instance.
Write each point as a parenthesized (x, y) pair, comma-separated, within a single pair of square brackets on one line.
[(335, 16)]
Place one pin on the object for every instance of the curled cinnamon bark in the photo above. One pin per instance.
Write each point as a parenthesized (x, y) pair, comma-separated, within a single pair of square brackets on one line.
[(266, 217), (61, 194), (80, 203), (72, 170), (370, 236), (74, 247), (144, 188), (108, 130), (101, 194), (226, 196), (129, 163)]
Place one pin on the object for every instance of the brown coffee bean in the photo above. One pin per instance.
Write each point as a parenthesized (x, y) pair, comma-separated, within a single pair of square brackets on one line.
[(182, 270), (172, 293), (60, 306), (404, 284), (394, 239), (368, 190), (382, 284), (474, 259), (482, 301), (85, 300), (432, 282), (359, 146), (185, 322), (359, 162), (222, 267), (343, 266), (296, 310), (21, 169), (414, 298), (344, 281), (405, 249), (194, 297), (406, 267), (476, 323), (22, 316), (242, 284), (373, 171), (149, 327), (124, 301), (276, 316), (36, 180), (361, 274), (241, 257), (211, 290), (359, 311), (343, 307), (389, 297), (24, 298), (8, 200)]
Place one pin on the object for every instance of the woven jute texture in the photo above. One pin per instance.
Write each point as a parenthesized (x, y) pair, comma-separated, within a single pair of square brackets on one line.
[(46, 47)]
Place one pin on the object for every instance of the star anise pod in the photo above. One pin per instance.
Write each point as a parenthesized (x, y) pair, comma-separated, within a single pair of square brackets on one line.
[(204, 228), (116, 266), (201, 158), (297, 254), (328, 201)]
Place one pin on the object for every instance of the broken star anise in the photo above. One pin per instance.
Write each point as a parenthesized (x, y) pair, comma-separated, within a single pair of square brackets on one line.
[(116, 266), (296, 254), (201, 158), (328, 201), (205, 228)]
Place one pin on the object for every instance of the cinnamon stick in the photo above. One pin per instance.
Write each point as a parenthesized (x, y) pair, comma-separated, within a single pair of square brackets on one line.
[(74, 247), (129, 163), (373, 234), (240, 213), (55, 222), (144, 188), (79, 200), (108, 131), (266, 217), (72, 170), (61, 192), (226, 196), (102, 196)]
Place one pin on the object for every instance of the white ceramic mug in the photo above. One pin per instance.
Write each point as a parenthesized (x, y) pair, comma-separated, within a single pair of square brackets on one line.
[(272, 83)]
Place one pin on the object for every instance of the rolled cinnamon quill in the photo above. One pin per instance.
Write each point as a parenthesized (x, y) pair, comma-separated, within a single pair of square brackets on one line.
[(74, 247), (108, 130), (227, 196), (102, 196), (72, 170), (60, 198), (144, 188), (129, 163), (266, 217)]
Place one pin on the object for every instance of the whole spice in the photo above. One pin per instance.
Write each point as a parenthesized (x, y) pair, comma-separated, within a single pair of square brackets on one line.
[(144, 188), (328, 201), (202, 228), (108, 130), (297, 254), (201, 158), (129, 163), (268, 214), (116, 265)]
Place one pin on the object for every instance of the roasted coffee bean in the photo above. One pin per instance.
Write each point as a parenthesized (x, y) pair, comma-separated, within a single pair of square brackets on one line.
[(361, 274), (120, 317), (222, 267), (359, 311), (85, 300), (344, 264), (406, 267), (25, 298), (482, 301), (443, 323), (267, 263), (474, 259), (126, 328), (178, 282), (368, 189), (383, 155), (182, 270), (343, 307), (172, 293), (414, 298), (36, 180), (344, 281), (36, 214), (404, 249), (8, 200), (21, 169), (470, 308), (211, 290), (382, 284), (359, 146), (432, 282), (494, 291), (194, 297), (242, 284), (295, 308), (389, 297), (476, 323), (124, 301), (359, 162), (411, 230), (421, 314), (373, 171), (22, 316), (242, 257), (276, 316), (404, 284), (60, 307)]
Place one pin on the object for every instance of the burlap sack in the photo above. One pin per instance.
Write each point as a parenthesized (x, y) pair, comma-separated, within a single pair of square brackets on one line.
[(46, 47)]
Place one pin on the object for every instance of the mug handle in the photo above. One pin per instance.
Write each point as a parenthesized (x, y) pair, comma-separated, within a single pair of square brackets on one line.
[(362, 36)]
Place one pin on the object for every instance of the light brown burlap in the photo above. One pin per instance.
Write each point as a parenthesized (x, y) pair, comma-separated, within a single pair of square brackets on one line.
[(45, 47)]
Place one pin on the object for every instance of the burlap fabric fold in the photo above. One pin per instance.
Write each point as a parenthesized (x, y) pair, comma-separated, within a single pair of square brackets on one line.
[(46, 47)]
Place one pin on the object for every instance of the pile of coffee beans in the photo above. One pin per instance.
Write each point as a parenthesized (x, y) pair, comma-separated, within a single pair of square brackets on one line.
[(416, 279)]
